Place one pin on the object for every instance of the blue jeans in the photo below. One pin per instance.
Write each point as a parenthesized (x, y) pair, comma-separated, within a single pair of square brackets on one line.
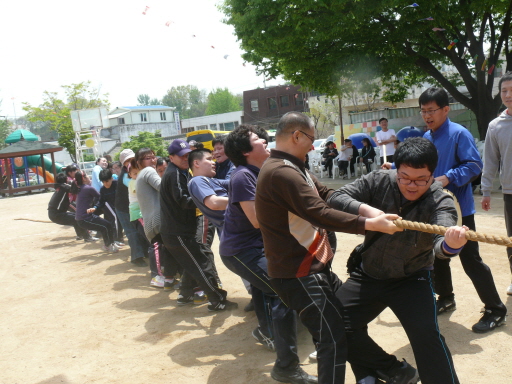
[(274, 317), (136, 246)]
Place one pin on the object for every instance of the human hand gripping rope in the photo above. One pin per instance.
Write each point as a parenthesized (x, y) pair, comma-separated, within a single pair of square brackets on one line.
[(440, 230)]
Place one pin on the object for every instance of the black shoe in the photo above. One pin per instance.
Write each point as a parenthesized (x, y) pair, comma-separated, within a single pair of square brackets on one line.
[(184, 300), (489, 321), (224, 305), (445, 305), (249, 307), (404, 374), (139, 262), (79, 238), (267, 342), (295, 376)]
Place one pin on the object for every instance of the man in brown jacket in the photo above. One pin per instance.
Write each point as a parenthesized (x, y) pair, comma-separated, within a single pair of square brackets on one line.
[(293, 217)]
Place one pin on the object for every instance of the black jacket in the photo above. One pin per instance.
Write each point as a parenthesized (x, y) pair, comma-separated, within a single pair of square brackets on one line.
[(178, 210), (122, 202), (59, 201), (401, 254)]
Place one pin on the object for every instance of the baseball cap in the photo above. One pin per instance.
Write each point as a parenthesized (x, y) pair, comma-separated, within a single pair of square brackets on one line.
[(179, 147), (126, 154)]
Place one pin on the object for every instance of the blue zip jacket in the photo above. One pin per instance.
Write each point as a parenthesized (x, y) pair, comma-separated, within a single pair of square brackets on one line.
[(459, 161)]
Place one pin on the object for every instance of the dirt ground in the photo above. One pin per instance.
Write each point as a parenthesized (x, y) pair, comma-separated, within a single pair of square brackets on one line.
[(73, 314)]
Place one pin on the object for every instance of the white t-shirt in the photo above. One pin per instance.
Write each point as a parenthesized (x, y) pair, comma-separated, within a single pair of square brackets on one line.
[(390, 147), (346, 154)]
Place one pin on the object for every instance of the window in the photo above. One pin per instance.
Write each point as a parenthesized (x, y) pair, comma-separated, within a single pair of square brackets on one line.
[(120, 120), (221, 126), (229, 126), (201, 127), (272, 103), (326, 100), (285, 101), (299, 99), (236, 124), (254, 105), (143, 117), (162, 116), (213, 126)]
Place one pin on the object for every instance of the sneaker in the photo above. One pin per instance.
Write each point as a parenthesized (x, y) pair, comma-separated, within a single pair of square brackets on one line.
[(249, 307), (294, 376), (183, 300), (405, 374), (200, 298), (509, 290), (110, 249), (157, 281), (224, 305), (267, 342), (489, 321), (445, 305), (139, 262), (79, 238), (313, 356), (119, 243), (90, 239), (171, 284)]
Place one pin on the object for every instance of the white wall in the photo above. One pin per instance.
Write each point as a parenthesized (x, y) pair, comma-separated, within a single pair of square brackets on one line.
[(212, 119)]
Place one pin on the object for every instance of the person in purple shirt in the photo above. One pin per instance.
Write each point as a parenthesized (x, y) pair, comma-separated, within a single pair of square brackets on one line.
[(86, 195), (241, 249)]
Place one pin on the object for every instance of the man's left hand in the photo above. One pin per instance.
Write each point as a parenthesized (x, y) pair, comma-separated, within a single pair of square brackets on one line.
[(455, 237), (443, 180)]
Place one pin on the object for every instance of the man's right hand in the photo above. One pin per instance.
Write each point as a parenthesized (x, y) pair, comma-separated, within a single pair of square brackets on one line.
[(486, 203), (383, 223), (386, 166)]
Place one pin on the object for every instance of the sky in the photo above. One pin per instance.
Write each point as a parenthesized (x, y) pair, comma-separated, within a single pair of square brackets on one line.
[(47, 44)]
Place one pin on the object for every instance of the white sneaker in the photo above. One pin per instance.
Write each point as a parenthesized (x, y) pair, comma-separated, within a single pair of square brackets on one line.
[(110, 249), (157, 281), (509, 290), (312, 356), (119, 244)]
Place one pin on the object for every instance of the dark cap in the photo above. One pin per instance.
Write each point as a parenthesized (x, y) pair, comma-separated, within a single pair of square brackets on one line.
[(178, 147)]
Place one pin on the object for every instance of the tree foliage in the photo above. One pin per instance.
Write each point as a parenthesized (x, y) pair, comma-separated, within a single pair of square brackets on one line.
[(316, 43), (221, 100), (144, 99), (188, 100), (56, 111), (5, 131), (146, 140)]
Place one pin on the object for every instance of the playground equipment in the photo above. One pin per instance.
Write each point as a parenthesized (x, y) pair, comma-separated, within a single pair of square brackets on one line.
[(408, 132), (87, 125)]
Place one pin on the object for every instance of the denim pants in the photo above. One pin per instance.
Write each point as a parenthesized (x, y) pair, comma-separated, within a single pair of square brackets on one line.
[(135, 243), (275, 319)]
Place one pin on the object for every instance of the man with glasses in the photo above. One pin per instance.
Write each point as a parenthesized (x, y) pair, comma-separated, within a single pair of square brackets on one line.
[(395, 271), (459, 163)]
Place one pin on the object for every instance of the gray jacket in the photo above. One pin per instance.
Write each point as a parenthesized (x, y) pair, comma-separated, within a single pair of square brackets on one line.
[(401, 254)]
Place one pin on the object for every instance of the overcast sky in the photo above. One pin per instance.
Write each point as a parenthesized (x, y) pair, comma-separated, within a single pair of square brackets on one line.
[(46, 44)]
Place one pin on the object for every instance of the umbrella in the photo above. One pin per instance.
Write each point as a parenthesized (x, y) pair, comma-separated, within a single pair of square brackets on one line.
[(21, 134)]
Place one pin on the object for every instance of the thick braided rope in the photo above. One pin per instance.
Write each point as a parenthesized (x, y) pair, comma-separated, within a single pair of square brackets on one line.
[(440, 230)]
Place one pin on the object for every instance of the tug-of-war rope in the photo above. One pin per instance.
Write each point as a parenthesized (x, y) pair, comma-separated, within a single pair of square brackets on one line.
[(440, 230)]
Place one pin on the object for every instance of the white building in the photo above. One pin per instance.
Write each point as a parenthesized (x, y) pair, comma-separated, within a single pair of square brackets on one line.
[(129, 121), (221, 122)]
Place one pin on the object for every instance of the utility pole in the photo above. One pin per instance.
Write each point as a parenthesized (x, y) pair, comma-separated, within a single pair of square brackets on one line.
[(341, 119)]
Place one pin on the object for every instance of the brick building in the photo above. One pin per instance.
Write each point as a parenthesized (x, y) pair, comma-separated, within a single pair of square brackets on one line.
[(265, 106)]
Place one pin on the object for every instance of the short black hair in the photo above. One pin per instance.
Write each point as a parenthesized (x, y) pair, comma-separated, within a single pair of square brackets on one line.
[(197, 154), (382, 119), (416, 152), (141, 154), (292, 121), (99, 158), (506, 77), (238, 142), (437, 95), (219, 140), (105, 175), (118, 163), (60, 179), (161, 160), (348, 141)]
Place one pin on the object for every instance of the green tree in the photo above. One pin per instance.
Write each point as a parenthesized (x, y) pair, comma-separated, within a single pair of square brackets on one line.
[(56, 111), (5, 130), (188, 100), (144, 99), (145, 140), (221, 100), (317, 43)]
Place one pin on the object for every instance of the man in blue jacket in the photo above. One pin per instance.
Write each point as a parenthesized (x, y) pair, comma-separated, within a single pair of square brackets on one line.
[(459, 163)]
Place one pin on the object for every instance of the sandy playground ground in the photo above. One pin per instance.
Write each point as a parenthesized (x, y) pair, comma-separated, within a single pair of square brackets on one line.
[(73, 314)]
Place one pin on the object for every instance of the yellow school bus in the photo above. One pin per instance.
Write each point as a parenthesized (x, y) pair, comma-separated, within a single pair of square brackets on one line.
[(205, 136)]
